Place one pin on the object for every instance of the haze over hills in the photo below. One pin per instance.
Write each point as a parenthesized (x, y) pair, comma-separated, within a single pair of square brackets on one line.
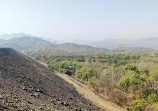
[(116, 43), (23, 41), (15, 35), (26, 85), (27, 43), (112, 43), (75, 48)]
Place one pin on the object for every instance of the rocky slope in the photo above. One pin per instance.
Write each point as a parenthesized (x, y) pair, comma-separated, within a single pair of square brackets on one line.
[(26, 85)]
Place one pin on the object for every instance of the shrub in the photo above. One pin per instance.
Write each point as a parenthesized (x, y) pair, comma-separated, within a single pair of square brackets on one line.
[(85, 76), (130, 67), (138, 105), (124, 82), (65, 71), (92, 82), (88, 74), (118, 97), (50, 67), (153, 98), (78, 75), (62, 65), (144, 70), (154, 72), (134, 81)]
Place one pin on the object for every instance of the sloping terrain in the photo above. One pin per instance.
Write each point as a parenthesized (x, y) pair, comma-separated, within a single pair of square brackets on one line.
[(32, 43), (26, 42), (75, 48), (26, 85), (14, 35), (90, 95)]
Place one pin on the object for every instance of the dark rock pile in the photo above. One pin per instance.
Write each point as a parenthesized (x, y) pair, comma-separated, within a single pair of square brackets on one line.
[(26, 85)]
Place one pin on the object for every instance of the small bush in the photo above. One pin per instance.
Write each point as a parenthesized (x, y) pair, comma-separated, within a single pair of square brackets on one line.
[(138, 105), (92, 82), (65, 71), (130, 67), (124, 82), (50, 67), (153, 98)]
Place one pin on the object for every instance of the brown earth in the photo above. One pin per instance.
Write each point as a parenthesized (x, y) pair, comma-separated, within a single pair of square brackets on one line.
[(90, 95)]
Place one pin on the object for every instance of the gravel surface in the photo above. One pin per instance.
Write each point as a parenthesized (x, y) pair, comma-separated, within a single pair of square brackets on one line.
[(26, 85)]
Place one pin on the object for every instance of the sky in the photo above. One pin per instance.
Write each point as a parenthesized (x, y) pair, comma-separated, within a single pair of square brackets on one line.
[(91, 20)]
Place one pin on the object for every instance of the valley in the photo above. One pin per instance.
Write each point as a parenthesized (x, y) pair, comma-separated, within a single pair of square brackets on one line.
[(92, 78), (88, 94), (125, 79), (78, 55)]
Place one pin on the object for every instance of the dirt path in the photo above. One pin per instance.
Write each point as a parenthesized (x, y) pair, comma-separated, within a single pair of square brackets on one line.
[(88, 94)]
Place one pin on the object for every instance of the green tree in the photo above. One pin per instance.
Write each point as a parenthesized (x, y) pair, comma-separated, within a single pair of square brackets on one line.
[(134, 81), (153, 98), (130, 67), (144, 71), (154, 72), (124, 82), (92, 82), (138, 105), (62, 65), (88, 74)]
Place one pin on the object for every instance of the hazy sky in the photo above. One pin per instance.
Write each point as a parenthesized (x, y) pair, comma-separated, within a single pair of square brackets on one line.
[(80, 19)]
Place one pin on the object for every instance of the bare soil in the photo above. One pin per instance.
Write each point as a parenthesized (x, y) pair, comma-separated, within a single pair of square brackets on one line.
[(90, 95)]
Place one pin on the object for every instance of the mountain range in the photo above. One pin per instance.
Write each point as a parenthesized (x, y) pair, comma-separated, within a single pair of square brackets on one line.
[(117, 43), (23, 41), (15, 35), (32, 43)]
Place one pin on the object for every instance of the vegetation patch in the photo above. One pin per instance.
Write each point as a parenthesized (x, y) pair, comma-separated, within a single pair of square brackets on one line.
[(115, 76)]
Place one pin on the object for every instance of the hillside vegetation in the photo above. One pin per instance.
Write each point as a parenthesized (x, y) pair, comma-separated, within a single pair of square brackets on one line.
[(129, 80)]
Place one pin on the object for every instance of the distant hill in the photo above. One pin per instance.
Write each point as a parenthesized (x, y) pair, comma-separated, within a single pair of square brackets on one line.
[(32, 43), (112, 43), (26, 85), (25, 43), (149, 42), (75, 48), (115, 43), (2, 41), (133, 49), (16, 35), (80, 42)]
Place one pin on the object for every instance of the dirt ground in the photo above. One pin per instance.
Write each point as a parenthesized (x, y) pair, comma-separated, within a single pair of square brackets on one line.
[(90, 95)]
